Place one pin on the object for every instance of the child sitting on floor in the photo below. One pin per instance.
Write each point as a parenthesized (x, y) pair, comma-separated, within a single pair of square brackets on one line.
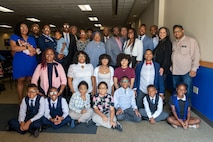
[(153, 106), (56, 110), (181, 110), (30, 113), (104, 109)]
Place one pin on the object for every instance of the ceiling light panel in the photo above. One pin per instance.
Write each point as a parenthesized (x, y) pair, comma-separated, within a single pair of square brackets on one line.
[(93, 18), (33, 19), (52, 26), (3, 9), (5, 26), (97, 25), (85, 7)]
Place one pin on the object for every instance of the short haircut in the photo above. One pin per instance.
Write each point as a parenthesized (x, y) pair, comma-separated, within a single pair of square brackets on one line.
[(104, 56), (177, 26), (32, 86), (112, 30), (102, 82), (181, 84), (59, 31), (124, 77), (89, 29), (143, 25), (122, 56), (155, 26), (75, 58), (148, 50), (151, 86), (83, 83)]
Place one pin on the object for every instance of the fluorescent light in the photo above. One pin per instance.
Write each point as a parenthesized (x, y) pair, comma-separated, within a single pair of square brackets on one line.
[(93, 18), (97, 25), (33, 19), (3, 9), (5, 26), (52, 26), (85, 7)]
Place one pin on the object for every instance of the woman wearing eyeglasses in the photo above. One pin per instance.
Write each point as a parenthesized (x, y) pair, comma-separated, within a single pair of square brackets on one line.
[(50, 73), (83, 41)]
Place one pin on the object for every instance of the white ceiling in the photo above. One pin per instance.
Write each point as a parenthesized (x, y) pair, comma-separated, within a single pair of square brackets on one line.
[(59, 11)]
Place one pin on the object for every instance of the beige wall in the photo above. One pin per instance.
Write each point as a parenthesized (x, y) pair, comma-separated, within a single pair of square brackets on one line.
[(196, 18), (147, 17)]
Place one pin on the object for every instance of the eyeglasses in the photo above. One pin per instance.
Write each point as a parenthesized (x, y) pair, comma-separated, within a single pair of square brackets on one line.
[(46, 29), (124, 81), (102, 88), (66, 26), (32, 91), (53, 93)]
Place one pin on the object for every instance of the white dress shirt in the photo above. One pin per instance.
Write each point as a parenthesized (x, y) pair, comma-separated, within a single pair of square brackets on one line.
[(64, 106), (147, 76), (147, 109), (23, 109)]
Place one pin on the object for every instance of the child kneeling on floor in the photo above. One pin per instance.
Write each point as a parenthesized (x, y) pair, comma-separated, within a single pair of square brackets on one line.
[(104, 109), (56, 110), (30, 113), (181, 110)]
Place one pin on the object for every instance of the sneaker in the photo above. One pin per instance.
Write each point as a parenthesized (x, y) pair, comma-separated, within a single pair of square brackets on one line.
[(89, 123), (36, 133), (194, 126), (119, 127), (174, 126)]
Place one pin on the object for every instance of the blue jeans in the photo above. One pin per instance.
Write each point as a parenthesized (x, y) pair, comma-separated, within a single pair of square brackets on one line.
[(161, 117), (184, 79), (139, 99), (128, 115)]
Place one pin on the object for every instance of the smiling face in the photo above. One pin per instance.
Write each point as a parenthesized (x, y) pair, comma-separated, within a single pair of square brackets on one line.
[(148, 55), (125, 82), (178, 33), (32, 92), (152, 91), (181, 91), (82, 89), (81, 58), (23, 29), (49, 56), (46, 30), (97, 37), (102, 89), (142, 30), (162, 33), (53, 94)]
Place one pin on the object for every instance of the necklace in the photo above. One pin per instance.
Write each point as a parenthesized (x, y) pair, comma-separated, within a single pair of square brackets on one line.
[(82, 66), (104, 69)]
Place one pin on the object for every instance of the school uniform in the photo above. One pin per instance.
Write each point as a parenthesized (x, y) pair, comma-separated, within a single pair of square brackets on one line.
[(153, 108), (181, 106), (53, 108), (30, 109)]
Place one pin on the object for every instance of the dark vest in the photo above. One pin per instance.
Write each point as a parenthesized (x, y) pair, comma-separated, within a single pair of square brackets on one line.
[(32, 110), (56, 111), (153, 107), (177, 107)]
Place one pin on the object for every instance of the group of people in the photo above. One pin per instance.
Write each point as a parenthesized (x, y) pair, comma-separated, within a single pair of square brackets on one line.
[(111, 78)]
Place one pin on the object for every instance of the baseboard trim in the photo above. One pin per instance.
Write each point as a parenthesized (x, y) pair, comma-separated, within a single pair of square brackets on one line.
[(209, 122), (206, 64)]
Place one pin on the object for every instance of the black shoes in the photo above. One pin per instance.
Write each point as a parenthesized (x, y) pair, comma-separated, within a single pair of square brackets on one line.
[(36, 133), (119, 127)]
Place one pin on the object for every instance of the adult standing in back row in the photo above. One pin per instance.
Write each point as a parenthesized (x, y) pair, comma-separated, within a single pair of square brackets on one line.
[(147, 41), (185, 59), (114, 45)]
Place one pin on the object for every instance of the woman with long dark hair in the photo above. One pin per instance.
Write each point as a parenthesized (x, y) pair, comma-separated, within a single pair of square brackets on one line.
[(163, 51), (50, 73), (24, 60), (133, 47)]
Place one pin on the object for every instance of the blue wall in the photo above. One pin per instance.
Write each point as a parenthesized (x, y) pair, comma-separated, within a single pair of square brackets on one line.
[(203, 101)]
